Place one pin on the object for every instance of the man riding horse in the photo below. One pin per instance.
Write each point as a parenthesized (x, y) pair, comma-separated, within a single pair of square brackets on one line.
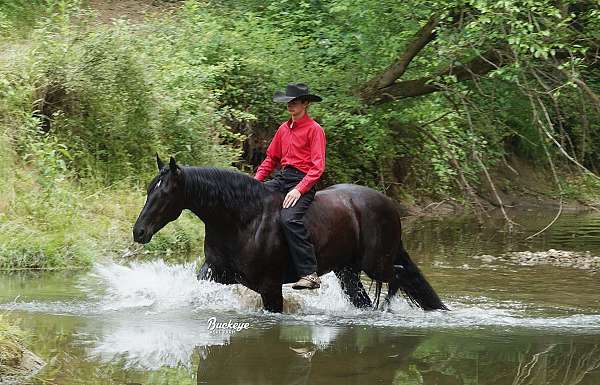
[(349, 228), (299, 148)]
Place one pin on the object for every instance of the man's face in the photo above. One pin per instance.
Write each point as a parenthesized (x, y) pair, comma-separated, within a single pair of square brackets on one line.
[(297, 107)]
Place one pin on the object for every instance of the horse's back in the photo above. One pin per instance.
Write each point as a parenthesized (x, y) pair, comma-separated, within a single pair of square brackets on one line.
[(353, 189), (334, 225), (346, 220), (361, 197)]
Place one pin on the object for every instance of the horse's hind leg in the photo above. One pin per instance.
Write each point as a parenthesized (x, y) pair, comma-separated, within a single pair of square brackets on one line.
[(273, 300), (353, 287)]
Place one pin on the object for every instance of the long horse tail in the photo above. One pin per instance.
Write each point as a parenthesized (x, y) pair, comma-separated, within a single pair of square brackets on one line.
[(413, 284), (378, 286)]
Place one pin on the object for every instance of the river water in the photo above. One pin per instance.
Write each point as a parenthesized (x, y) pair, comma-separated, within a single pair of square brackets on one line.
[(512, 320)]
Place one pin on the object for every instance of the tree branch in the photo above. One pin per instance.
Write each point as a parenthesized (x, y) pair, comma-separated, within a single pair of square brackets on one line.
[(476, 67), (420, 40), (584, 87)]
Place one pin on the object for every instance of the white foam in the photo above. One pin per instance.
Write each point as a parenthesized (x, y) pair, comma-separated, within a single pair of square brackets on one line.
[(159, 286), (155, 314), (483, 315)]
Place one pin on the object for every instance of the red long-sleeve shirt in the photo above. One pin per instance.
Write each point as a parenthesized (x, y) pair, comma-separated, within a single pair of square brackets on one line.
[(300, 144)]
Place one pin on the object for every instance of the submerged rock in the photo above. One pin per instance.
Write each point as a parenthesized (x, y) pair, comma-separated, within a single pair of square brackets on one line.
[(559, 258), (485, 258), (17, 363)]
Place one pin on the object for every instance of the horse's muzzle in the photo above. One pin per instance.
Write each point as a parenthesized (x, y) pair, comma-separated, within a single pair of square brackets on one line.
[(141, 235)]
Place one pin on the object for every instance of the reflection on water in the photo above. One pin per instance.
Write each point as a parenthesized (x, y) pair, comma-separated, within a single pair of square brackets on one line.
[(384, 356), (147, 342), (290, 355), (147, 322)]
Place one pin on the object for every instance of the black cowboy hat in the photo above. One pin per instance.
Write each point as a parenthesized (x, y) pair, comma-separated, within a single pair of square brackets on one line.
[(293, 91)]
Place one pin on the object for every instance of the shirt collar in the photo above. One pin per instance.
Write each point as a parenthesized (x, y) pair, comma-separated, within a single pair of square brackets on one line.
[(303, 121)]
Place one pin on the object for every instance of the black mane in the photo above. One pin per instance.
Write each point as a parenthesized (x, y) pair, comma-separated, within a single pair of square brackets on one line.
[(211, 186)]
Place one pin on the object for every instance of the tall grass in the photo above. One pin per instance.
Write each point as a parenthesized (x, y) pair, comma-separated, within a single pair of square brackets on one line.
[(83, 110), (11, 350)]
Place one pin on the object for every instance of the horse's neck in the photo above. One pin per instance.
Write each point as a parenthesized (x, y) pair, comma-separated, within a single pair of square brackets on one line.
[(219, 216), (226, 231), (227, 217), (216, 210)]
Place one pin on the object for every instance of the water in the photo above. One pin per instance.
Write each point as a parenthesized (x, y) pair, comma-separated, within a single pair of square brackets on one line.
[(147, 322)]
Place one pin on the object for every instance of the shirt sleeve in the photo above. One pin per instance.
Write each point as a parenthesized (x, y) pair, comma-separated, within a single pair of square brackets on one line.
[(317, 157), (272, 160)]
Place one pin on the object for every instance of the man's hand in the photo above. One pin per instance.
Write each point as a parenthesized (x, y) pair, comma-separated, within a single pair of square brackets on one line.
[(291, 198)]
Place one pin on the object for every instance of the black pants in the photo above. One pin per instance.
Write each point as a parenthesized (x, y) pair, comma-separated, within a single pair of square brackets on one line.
[(301, 248)]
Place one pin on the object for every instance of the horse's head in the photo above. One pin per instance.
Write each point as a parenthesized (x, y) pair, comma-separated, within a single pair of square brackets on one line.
[(164, 202)]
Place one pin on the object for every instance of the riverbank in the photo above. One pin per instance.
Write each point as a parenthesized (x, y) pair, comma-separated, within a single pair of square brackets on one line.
[(72, 225), (518, 185), (59, 223), (16, 361)]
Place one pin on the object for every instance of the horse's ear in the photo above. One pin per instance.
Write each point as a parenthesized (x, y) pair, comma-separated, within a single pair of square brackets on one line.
[(174, 167), (159, 162)]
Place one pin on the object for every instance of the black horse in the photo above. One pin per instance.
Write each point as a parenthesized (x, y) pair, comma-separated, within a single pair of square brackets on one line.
[(353, 228)]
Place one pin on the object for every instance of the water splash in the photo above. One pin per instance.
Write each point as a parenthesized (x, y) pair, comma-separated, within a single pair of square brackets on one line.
[(158, 286), (154, 314)]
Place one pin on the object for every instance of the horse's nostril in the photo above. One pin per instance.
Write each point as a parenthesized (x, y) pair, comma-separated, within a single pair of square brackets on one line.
[(138, 233)]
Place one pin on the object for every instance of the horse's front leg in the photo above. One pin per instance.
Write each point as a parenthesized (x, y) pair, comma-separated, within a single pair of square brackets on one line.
[(209, 272), (205, 273), (273, 300)]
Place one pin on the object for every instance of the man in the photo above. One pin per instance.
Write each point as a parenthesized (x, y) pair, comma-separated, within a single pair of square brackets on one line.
[(299, 148)]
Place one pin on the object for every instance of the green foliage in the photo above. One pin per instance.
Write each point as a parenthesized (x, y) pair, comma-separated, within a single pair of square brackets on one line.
[(84, 106), (118, 95), (582, 188), (18, 16), (337, 46), (209, 65), (83, 109)]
